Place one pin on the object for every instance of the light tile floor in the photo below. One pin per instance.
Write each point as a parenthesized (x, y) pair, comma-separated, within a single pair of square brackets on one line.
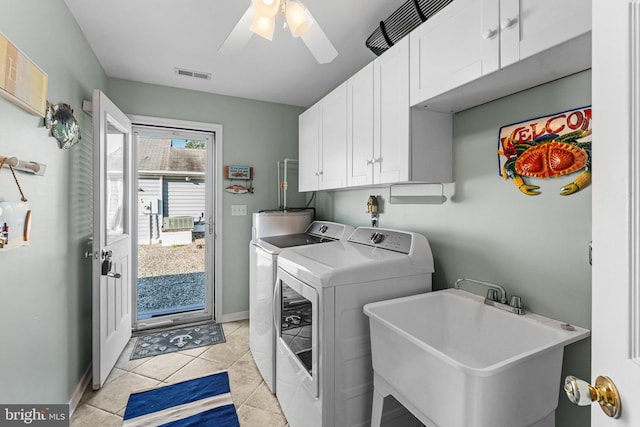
[(255, 404)]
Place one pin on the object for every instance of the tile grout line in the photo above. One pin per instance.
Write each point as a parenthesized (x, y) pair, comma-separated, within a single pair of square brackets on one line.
[(240, 363)]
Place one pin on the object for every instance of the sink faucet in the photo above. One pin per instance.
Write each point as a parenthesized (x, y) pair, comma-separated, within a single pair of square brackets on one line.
[(492, 298)]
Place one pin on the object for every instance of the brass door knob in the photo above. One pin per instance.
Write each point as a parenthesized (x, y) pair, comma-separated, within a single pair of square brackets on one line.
[(604, 392)]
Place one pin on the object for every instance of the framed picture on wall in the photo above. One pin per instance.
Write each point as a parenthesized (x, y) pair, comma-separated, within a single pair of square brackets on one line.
[(21, 81)]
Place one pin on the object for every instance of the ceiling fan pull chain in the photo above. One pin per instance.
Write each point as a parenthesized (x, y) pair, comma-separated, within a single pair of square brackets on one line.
[(384, 34), (419, 10)]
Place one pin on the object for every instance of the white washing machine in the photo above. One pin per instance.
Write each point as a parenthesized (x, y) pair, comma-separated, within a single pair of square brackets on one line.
[(276, 222), (263, 267), (324, 376)]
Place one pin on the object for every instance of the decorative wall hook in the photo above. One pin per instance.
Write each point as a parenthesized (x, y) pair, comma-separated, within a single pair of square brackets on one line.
[(35, 168)]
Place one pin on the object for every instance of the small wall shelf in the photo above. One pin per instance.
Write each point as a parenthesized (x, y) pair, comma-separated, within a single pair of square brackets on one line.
[(428, 194)]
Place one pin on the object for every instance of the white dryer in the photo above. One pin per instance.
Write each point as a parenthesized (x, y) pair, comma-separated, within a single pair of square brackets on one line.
[(263, 267), (324, 376)]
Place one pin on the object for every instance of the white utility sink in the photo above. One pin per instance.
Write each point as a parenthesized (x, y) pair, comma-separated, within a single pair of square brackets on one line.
[(455, 362)]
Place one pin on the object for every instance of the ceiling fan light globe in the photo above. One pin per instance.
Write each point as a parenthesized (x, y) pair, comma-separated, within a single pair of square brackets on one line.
[(298, 18), (263, 26), (266, 8)]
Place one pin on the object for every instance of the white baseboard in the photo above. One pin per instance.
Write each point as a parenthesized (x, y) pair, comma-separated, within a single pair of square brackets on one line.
[(80, 389), (234, 317)]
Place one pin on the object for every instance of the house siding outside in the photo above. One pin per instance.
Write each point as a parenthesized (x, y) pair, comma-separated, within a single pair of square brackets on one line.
[(149, 223), (183, 198), (174, 177)]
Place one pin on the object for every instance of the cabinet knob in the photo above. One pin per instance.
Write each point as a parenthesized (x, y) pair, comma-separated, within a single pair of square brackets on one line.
[(489, 34), (369, 161), (507, 23)]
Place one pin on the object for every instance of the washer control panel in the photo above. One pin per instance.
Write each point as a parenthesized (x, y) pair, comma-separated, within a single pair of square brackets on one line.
[(327, 230), (391, 240)]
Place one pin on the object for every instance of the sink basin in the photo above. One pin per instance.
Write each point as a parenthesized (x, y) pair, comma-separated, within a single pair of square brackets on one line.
[(455, 362)]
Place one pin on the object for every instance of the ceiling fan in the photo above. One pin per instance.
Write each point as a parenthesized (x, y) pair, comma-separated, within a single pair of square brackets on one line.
[(260, 19)]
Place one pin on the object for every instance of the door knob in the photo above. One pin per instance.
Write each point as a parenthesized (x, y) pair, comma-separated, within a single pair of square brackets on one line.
[(604, 392)]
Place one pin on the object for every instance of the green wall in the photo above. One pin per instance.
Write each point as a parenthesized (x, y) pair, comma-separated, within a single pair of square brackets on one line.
[(537, 247), (45, 289)]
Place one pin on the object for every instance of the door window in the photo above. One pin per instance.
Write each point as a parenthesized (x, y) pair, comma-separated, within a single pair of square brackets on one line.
[(115, 191), (174, 240)]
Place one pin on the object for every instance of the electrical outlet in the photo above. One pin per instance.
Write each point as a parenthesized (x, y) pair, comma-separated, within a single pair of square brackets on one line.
[(238, 210)]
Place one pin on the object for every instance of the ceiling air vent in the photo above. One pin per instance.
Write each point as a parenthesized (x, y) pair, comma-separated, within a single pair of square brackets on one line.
[(195, 74)]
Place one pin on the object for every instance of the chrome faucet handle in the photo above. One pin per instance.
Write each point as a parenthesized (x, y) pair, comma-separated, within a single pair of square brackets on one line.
[(515, 301), (492, 294)]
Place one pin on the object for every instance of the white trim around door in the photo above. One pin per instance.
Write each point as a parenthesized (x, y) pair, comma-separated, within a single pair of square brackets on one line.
[(217, 130)]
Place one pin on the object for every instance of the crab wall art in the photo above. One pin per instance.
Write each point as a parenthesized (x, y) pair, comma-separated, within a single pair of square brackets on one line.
[(534, 150)]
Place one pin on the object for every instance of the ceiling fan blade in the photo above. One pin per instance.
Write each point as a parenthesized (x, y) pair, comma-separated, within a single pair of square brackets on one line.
[(319, 44), (239, 36)]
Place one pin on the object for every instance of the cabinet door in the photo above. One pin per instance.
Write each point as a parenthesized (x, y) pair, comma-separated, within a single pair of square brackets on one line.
[(308, 148), (457, 45), (391, 115), (360, 128), (528, 27), (333, 154)]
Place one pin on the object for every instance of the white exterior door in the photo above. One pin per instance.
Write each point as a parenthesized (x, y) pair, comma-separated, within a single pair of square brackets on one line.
[(616, 205), (187, 187), (111, 235)]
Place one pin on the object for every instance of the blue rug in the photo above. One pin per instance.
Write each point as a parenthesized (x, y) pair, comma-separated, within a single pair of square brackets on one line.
[(164, 342), (202, 401)]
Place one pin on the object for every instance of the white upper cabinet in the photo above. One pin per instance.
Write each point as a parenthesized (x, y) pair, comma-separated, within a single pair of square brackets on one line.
[(333, 171), (528, 27), (323, 143), (388, 142), (456, 45), (391, 137), (309, 148), (360, 128), (492, 48)]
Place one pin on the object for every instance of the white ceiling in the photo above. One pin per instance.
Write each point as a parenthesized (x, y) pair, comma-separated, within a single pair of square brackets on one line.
[(145, 40)]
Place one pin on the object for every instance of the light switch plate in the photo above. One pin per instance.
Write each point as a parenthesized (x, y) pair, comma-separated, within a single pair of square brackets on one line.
[(238, 210)]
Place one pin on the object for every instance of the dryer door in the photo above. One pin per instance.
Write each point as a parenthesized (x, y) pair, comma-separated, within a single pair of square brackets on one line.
[(298, 329)]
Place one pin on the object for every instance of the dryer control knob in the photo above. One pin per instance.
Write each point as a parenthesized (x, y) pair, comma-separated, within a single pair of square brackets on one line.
[(377, 238)]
